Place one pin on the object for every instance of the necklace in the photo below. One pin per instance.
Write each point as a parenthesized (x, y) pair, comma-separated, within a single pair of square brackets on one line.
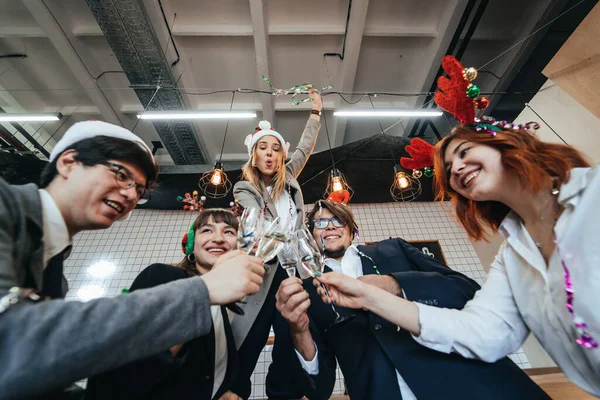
[(552, 198)]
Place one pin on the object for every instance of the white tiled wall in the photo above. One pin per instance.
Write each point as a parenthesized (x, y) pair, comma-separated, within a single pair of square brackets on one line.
[(151, 236)]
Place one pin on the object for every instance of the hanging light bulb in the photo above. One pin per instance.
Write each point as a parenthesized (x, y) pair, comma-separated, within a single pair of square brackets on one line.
[(403, 181), (337, 183), (216, 177), (405, 186), (214, 183)]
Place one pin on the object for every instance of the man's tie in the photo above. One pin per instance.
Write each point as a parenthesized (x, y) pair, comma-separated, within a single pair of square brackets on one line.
[(53, 276)]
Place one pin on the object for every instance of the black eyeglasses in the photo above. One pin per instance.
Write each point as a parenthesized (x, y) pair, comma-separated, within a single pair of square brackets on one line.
[(322, 223), (126, 180)]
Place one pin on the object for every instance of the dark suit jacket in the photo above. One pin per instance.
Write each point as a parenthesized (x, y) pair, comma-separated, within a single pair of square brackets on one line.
[(369, 349), (49, 344), (188, 375)]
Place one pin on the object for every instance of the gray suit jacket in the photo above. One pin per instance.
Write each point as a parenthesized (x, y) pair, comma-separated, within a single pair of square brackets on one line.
[(250, 197), (47, 345)]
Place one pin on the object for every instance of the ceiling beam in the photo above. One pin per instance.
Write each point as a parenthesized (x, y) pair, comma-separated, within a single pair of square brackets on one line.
[(356, 28), (8, 31), (260, 27), (65, 45)]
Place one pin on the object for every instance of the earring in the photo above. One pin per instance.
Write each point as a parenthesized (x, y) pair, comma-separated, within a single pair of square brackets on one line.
[(191, 258)]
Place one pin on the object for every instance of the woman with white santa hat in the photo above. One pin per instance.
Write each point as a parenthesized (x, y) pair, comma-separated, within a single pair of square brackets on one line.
[(270, 185)]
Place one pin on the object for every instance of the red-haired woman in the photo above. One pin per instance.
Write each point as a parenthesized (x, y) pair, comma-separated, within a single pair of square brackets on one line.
[(542, 197)]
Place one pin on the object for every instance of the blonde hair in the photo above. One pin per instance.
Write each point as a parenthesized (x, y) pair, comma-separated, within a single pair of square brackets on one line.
[(253, 175)]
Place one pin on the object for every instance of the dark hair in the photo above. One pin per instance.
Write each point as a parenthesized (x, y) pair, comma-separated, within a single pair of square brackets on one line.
[(523, 154), (340, 211), (217, 215), (99, 149)]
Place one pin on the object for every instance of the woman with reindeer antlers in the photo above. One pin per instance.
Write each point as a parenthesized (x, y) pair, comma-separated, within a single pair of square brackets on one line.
[(542, 197)]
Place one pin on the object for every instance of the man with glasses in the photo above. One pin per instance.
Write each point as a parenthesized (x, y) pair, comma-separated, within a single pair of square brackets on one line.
[(378, 360), (97, 173)]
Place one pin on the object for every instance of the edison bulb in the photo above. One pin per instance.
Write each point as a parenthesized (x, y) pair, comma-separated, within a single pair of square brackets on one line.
[(337, 183), (403, 181), (216, 178)]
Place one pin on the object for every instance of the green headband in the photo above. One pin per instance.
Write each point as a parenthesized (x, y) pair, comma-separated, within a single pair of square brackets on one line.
[(189, 246)]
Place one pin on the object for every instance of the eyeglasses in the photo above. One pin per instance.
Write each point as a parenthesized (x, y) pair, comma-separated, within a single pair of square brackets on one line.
[(322, 223), (126, 180)]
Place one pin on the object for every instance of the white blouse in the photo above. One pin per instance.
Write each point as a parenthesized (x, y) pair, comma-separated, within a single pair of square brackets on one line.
[(521, 295)]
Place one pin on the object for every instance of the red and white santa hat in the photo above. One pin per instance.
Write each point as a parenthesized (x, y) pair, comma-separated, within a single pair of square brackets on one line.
[(265, 129), (89, 129)]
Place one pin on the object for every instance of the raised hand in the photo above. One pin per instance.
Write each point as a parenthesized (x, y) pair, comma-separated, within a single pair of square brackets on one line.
[(292, 301), (316, 97), (234, 278), (343, 290)]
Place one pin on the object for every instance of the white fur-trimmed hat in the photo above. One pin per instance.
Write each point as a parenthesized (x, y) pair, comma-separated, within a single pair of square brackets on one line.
[(264, 129), (89, 129)]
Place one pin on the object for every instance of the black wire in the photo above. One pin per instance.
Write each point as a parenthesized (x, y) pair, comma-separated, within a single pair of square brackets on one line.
[(157, 88), (381, 127), (542, 119), (342, 159), (226, 127), (347, 101), (491, 73), (61, 125)]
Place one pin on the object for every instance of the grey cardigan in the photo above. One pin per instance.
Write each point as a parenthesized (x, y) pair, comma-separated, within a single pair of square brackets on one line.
[(47, 345), (250, 197)]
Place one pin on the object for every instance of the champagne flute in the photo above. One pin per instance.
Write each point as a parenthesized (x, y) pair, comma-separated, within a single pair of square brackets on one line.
[(312, 261), (249, 229), (288, 257), (271, 241)]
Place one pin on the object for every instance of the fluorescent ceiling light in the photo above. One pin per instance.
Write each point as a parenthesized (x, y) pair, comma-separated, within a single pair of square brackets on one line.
[(101, 269), (90, 292), (29, 117), (390, 113), (166, 115)]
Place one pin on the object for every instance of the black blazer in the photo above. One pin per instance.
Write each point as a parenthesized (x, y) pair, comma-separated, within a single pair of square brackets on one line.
[(188, 375), (254, 343), (369, 349)]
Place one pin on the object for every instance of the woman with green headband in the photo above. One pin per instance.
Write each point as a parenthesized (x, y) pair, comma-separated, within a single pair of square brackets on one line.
[(204, 367)]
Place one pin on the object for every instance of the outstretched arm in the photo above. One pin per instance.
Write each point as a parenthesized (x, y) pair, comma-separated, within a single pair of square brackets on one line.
[(308, 140)]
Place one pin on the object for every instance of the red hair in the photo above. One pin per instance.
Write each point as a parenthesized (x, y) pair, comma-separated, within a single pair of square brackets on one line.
[(523, 154)]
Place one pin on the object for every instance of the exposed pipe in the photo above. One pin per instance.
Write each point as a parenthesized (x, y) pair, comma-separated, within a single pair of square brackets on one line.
[(341, 56), (162, 10)]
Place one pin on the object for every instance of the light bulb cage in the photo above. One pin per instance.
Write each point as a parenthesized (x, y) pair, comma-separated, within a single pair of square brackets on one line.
[(209, 188), (411, 192), (334, 175)]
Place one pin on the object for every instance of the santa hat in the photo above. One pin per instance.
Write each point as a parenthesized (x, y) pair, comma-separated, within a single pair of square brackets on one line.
[(89, 129), (264, 129)]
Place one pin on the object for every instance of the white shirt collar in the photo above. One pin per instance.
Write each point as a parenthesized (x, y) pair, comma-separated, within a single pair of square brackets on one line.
[(351, 263), (56, 234)]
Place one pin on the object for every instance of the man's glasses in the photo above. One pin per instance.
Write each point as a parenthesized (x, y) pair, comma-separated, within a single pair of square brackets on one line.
[(126, 180), (322, 223)]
